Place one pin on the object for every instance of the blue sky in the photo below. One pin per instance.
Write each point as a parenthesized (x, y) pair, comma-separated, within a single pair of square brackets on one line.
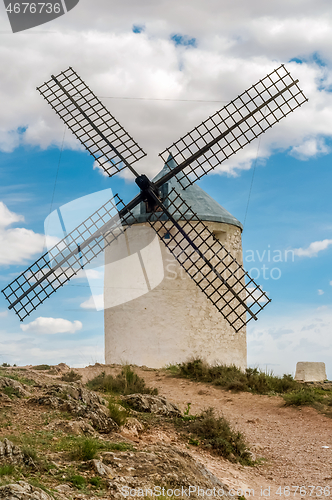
[(171, 71)]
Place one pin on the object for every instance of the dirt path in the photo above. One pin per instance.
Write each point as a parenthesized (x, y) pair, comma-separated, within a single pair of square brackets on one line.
[(291, 439)]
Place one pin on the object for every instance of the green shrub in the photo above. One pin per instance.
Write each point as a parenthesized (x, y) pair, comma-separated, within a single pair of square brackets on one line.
[(232, 378), (6, 470), (41, 367), (126, 382), (11, 391), (117, 414), (78, 481), (29, 454), (85, 449), (5, 365), (71, 376), (23, 380), (96, 481), (216, 434), (303, 396)]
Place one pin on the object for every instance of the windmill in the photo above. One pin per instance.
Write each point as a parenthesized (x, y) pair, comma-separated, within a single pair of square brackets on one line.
[(206, 260)]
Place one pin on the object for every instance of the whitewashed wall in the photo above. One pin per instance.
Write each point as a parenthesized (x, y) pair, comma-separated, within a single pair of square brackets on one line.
[(172, 322)]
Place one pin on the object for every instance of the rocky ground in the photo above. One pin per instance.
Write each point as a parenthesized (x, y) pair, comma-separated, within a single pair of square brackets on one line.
[(292, 446)]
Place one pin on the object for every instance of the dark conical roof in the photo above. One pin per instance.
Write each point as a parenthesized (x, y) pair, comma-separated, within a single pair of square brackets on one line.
[(206, 208)]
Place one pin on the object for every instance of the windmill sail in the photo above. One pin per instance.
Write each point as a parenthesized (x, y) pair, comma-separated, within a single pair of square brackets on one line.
[(235, 125), (208, 263), (66, 258), (99, 132)]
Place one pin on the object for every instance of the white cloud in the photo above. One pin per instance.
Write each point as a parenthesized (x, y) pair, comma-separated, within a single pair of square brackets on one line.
[(313, 248), (51, 326), (17, 244), (97, 167), (234, 50), (278, 342), (24, 349), (320, 292), (3, 314), (310, 148), (94, 302), (7, 217)]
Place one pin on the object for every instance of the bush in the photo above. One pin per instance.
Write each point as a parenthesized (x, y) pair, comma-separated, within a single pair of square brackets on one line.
[(232, 378), (95, 481), (30, 456), (11, 391), (5, 365), (78, 481), (126, 382), (85, 449), (23, 380), (216, 434), (7, 470), (117, 414), (303, 396), (71, 376), (41, 367)]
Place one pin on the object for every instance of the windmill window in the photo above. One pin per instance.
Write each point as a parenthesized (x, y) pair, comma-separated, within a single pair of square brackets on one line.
[(167, 236), (220, 236)]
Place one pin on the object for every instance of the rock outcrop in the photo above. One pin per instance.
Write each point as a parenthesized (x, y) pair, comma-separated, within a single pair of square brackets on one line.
[(23, 491), (159, 465), (73, 427), (152, 404), (75, 399), (14, 384), (9, 452)]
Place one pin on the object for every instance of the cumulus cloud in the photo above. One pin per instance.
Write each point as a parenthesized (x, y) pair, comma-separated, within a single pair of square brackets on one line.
[(310, 148), (279, 342), (313, 249), (24, 349), (51, 326), (17, 244), (320, 292), (99, 169), (233, 50)]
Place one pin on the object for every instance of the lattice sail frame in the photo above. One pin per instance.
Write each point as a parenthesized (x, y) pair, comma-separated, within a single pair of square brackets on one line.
[(222, 260), (245, 118), (67, 257), (99, 132)]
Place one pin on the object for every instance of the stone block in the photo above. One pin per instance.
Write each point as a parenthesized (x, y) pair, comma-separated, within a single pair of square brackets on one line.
[(307, 371)]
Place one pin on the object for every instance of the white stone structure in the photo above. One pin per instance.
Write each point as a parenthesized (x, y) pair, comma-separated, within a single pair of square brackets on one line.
[(307, 371), (154, 312)]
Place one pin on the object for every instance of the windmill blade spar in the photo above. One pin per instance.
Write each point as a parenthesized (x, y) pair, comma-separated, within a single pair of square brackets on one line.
[(208, 263), (99, 132), (233, 127)]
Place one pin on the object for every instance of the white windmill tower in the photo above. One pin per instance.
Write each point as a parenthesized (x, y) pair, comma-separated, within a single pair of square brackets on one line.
[(143, 280)]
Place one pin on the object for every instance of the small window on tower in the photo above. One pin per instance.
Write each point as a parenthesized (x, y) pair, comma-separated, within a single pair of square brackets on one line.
[(220, 236)]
